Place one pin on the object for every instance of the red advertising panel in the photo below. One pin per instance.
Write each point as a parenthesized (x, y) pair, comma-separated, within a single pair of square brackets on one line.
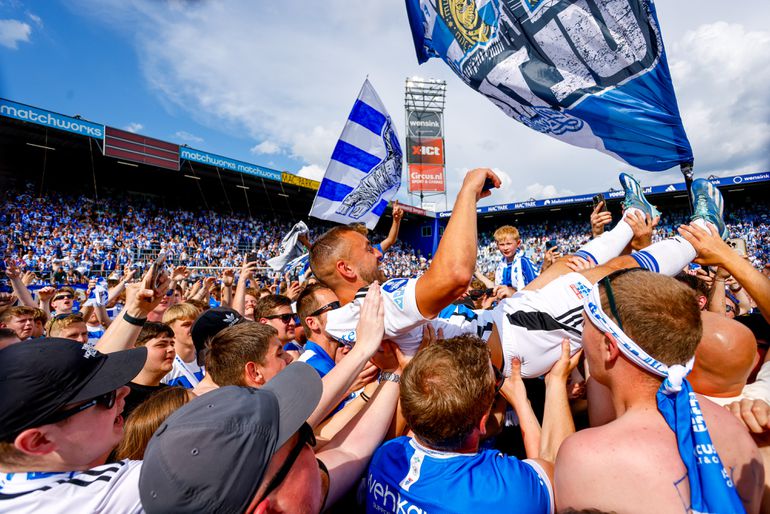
[(137, 148), (426, 177), (425, 150)]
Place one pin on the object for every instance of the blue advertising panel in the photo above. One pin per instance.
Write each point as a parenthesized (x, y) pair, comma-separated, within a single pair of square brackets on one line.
[(50, 119), (611, 195), (230, 164)]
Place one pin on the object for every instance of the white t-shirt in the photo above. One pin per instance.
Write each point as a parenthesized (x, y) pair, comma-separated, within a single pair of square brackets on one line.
[(108, 489), (403, 320)]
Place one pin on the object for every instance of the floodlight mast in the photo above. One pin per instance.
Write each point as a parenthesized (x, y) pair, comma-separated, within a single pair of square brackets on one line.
[(425, 95)]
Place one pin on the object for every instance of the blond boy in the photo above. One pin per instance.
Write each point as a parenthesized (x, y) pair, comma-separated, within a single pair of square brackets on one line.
[(514, 270)]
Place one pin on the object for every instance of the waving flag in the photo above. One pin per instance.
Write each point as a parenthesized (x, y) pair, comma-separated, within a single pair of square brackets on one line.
[(592, 73), (365, 168)]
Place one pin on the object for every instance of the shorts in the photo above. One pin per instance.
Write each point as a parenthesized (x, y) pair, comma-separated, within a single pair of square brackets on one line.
[(532, 324)]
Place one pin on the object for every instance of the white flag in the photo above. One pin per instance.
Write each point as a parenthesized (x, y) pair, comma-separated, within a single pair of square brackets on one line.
[(364, 173)]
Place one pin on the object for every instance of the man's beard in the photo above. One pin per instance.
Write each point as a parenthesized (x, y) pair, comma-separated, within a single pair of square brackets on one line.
[(370, 276)]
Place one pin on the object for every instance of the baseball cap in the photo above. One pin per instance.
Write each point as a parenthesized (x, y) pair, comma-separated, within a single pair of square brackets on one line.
[(211, 322), (39, 377), (211, 455)]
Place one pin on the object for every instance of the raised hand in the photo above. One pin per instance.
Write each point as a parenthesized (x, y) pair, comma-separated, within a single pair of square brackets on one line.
[(642, 225), (398, 212), (475, 179), (599, 219), (712, 250), (228, 277), (564, 366), (371, 324)]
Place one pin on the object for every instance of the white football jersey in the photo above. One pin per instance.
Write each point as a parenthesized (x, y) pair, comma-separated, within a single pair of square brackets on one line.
[(108, 489), (403, 320)]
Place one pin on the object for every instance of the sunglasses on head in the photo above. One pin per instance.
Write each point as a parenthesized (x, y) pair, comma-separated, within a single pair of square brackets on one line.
[(606, 282), (106, 400), (326, 308), (286, 318)]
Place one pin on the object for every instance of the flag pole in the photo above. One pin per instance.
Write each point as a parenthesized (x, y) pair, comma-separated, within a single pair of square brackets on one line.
[(686, 169)]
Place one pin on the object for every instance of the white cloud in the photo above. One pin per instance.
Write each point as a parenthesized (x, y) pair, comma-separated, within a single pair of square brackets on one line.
[(721, 74), (539, 191), (186, 136), (296, 95), (265, 147), (13, 32), (35, 18), (312, 171), (133, 127)]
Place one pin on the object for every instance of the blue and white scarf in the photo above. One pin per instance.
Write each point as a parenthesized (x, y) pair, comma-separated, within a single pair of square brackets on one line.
[(711, 489)]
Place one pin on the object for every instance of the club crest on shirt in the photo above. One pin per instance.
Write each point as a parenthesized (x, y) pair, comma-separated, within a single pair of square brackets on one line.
[(580, 290), (394, 284)]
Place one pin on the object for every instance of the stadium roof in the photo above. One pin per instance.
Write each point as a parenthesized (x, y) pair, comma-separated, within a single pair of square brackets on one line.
[(25, 125)]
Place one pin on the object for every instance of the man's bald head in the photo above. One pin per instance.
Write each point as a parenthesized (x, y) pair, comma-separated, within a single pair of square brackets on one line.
[(725, 356)]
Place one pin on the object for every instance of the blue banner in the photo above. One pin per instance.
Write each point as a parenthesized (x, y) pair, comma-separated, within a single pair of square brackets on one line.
[(230, 164), (364, 172), (50, 119), (613, 195), (592, 73)]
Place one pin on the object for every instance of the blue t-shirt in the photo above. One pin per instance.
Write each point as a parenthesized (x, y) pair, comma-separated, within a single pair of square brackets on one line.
[(404, 476), (317, 357)]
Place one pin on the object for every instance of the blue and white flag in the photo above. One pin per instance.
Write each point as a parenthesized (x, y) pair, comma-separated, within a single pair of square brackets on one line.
[(364, 173), (592, 73)]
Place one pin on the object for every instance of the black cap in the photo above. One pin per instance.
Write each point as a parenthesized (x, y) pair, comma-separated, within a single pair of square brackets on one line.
[(211, 322), (212, 453), (39, 377)]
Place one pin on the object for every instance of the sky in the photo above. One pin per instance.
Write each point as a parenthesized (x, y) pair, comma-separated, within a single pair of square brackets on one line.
[(272, 83)]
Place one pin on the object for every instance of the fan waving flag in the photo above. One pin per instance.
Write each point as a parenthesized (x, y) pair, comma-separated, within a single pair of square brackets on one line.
[(364, 173), (592, 73)]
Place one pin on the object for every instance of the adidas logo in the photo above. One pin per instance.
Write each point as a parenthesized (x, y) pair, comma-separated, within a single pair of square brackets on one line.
[(670, 188)]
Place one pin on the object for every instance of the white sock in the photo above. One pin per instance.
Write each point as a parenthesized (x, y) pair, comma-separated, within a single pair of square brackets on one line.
[(608, 245), (668, 257)]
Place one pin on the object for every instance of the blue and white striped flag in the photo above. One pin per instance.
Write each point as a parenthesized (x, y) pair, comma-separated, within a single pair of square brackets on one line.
[(592, 73), (364, 173)]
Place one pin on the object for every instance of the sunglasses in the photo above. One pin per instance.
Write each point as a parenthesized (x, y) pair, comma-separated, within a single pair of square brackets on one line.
[(107, 400), (286, 318), (306, 436), (326, 308), (607, 283), (60, 317), (499, 379), (63, 297)]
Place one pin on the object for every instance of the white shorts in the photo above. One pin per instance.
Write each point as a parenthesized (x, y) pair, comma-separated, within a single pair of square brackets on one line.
[(532, 324)]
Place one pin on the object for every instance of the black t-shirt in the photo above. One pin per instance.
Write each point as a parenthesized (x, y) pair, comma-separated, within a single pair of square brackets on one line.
[(139, 393)]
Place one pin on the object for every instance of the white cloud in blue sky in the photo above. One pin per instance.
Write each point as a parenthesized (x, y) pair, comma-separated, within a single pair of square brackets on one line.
[(13, 32)]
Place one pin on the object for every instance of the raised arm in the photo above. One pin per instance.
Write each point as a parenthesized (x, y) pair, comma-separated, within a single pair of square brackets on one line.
[(557, 420), (20, 290), (398, 214), (247, 272), (348, 453), (369, 332), (515, 393), (452, 267), (713, 251), (141, 298)]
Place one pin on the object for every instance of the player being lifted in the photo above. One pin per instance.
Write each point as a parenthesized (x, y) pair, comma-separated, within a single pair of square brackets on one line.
[(531, 323)]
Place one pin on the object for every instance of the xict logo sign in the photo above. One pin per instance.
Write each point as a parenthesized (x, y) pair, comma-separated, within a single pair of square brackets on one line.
[(425, 151)]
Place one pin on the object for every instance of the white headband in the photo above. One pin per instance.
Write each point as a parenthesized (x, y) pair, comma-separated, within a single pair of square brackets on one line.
[(673, 374)]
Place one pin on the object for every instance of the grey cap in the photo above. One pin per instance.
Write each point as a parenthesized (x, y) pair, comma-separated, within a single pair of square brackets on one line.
[(212, 453)]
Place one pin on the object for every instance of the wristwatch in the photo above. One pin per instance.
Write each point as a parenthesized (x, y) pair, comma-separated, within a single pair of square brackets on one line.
[(390, 377)]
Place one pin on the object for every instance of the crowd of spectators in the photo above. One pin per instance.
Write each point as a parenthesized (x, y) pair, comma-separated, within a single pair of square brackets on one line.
[(377, 379)]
